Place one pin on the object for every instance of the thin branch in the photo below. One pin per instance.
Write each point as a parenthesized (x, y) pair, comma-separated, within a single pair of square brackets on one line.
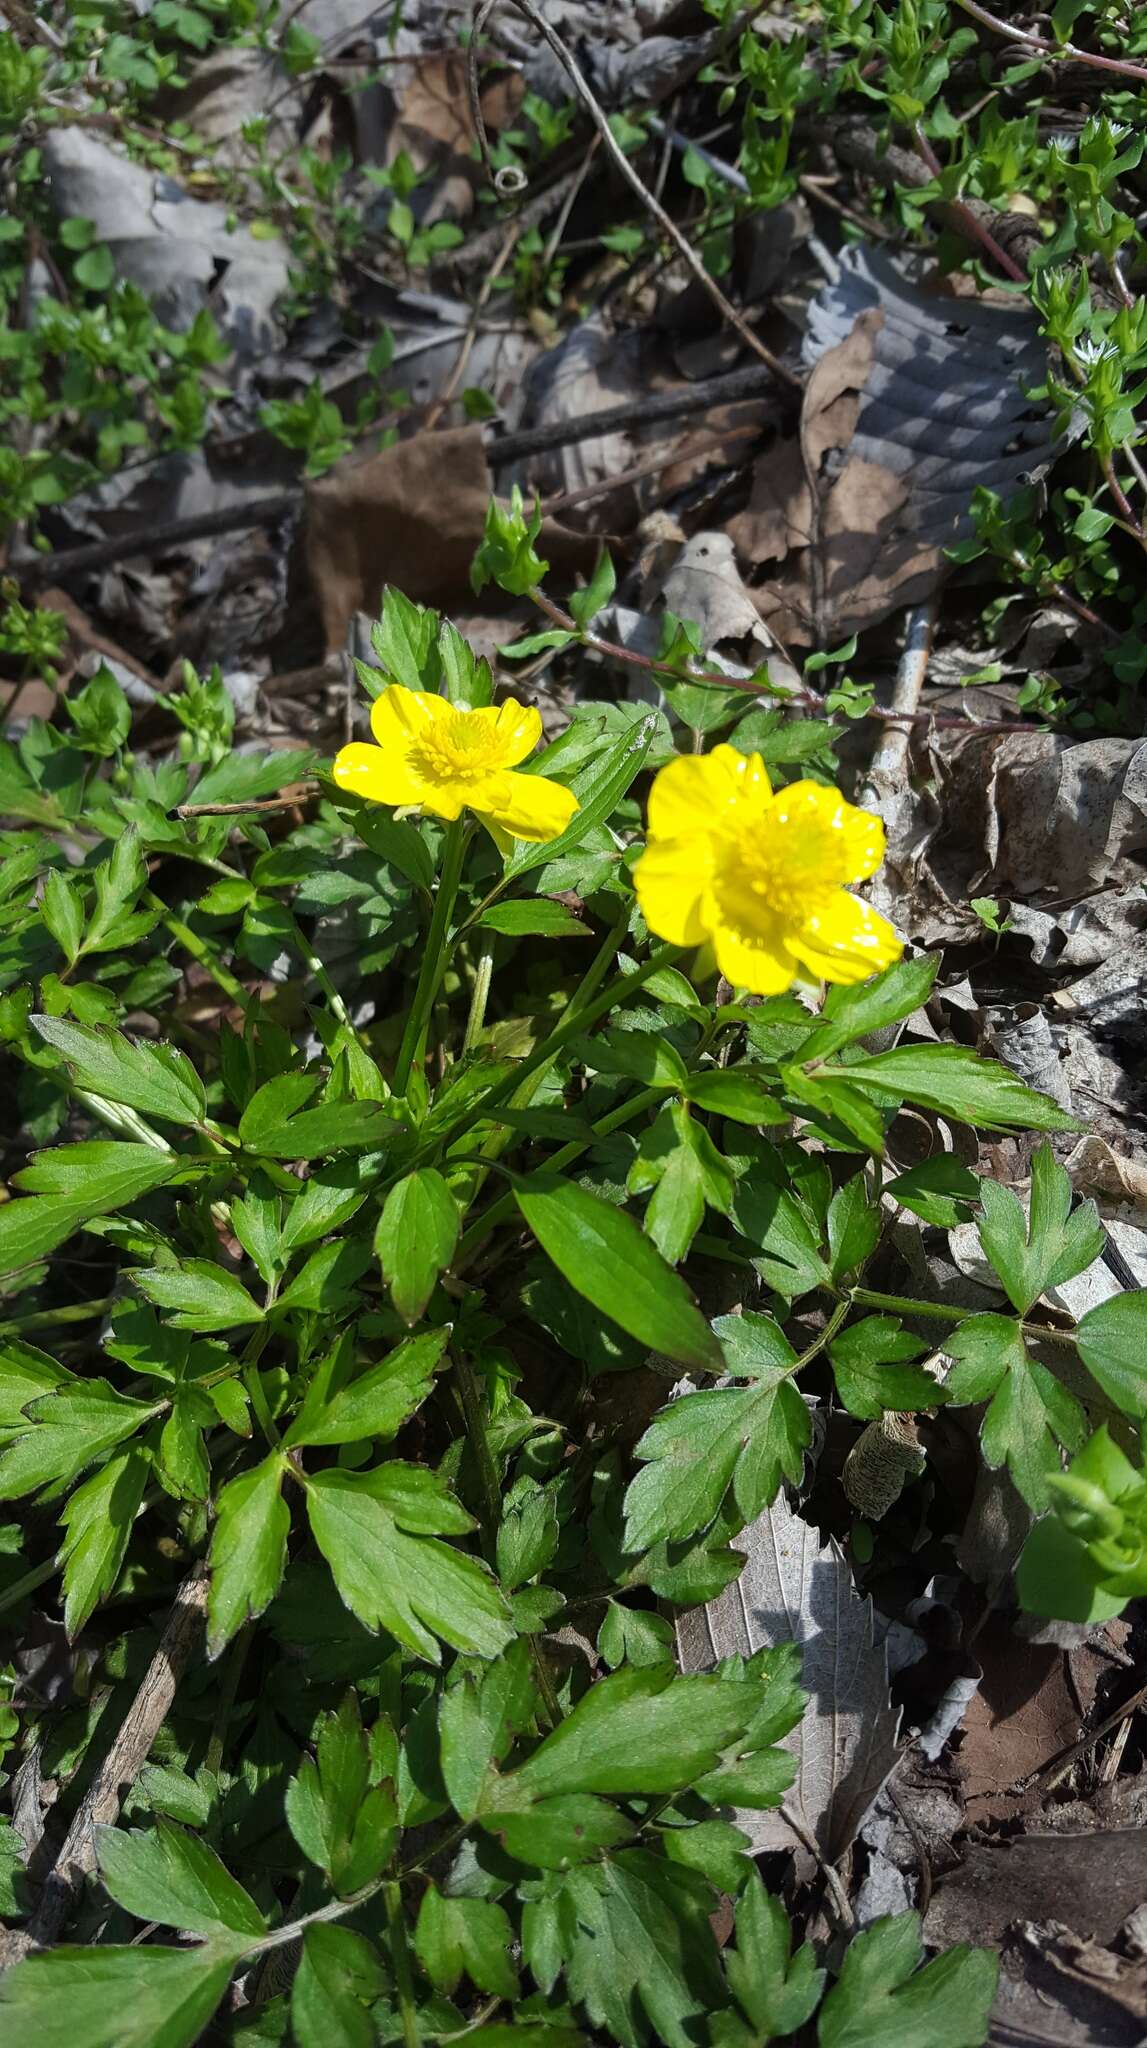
[(1071, 51), (264, 804), (641, 191), (122, 1764), (804, 700)]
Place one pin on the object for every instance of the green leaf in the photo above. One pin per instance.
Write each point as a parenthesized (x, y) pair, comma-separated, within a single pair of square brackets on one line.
[(867, 1364), (98, 1519), (640, 1055), (116, 1997), (853, 1227), (275, 1125), (1047, 1247), (786, 1251), (940, 1190), (605, 1257), (1029, 1413), (741, 1093), (598, 796), (479, 1720), (851, 1013), (376, 1403), (405, 639), (173, 1877), (25, 1373), (1112, 1340), (63, 912), (68, 1186), (700, 1446), (586, 604), (882, 1995), (248, 1550), (465, 1937), (679, 1160), (776, 1991), (639, 1950), (538, 918), (638, 1731), (527, 1534), (416, 1237), (376, 1530), (65, 1431), (341, 1821), (155, 1079), (198, 1295), (338, 1978), (956, 1081), (242, 778)]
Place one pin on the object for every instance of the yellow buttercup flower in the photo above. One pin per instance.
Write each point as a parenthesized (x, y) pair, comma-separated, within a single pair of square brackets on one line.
[(761, 876), (445, 760)]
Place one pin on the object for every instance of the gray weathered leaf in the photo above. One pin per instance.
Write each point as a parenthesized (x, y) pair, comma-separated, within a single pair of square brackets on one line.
[(793, 1590)]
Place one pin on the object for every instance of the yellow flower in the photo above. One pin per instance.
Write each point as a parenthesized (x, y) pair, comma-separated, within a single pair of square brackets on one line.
[(761, 875), (446, 760)]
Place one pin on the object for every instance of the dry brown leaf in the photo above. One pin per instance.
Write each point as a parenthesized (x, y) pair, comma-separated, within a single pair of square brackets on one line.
[(794, 1590), (413, 516), (913, 400)]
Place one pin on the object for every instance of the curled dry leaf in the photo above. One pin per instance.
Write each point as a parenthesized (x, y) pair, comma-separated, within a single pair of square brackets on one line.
[(793, 1589), (914, 400)]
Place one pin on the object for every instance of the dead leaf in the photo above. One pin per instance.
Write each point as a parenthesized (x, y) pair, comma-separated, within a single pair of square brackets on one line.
[(172, 246), (794, 1590), (913, 401), (412, 516)]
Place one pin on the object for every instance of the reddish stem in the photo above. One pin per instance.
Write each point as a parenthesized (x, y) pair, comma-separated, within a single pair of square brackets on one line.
[(807, 700), (1058, 50)]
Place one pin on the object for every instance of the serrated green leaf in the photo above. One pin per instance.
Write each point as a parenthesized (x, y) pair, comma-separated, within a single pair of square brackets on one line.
[(640, 1730), (1029, 1413), (956, 1081), (156, 1079), (599, 791), (776, 1991), (868, 1363), (465, 1937), (248, 1550), (479, 1720), (198, 1295), (743, 1094), (853, 1227), (940, 1190), (1049, 1245), (420, 1589), (65, 1431), (98, 1519), (851, 1013), (882, 1995), (341, 1821), (374, 1404), (68, 1186), (338, 1979)]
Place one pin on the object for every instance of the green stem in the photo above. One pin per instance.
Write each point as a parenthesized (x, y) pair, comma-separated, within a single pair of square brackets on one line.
[(470, 1396), (480, 994), (904, 1305), (501, 1210), (311, 961), (48, 1318), (434, 957), (199, 950), (232, 1672), (400, 1963)]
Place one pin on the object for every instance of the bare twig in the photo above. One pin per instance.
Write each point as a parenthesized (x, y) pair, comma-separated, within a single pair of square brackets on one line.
[(1070, 51), (128, 1753), (1049, 1774), (446, 395), (264, 804), (623, 165)]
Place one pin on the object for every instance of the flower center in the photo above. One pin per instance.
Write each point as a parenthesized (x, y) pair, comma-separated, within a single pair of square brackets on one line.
[(461, 748), (787, 864)]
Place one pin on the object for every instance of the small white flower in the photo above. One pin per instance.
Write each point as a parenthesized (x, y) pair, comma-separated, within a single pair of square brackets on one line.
[(1089, 351)]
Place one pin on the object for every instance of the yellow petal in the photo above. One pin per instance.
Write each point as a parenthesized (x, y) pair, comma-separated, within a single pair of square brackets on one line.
[(400, 716), (526, 806), (671, 879), (698, 792), (758, 961), (383, 775), (846, 941), (837, 841), (516, 728)]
